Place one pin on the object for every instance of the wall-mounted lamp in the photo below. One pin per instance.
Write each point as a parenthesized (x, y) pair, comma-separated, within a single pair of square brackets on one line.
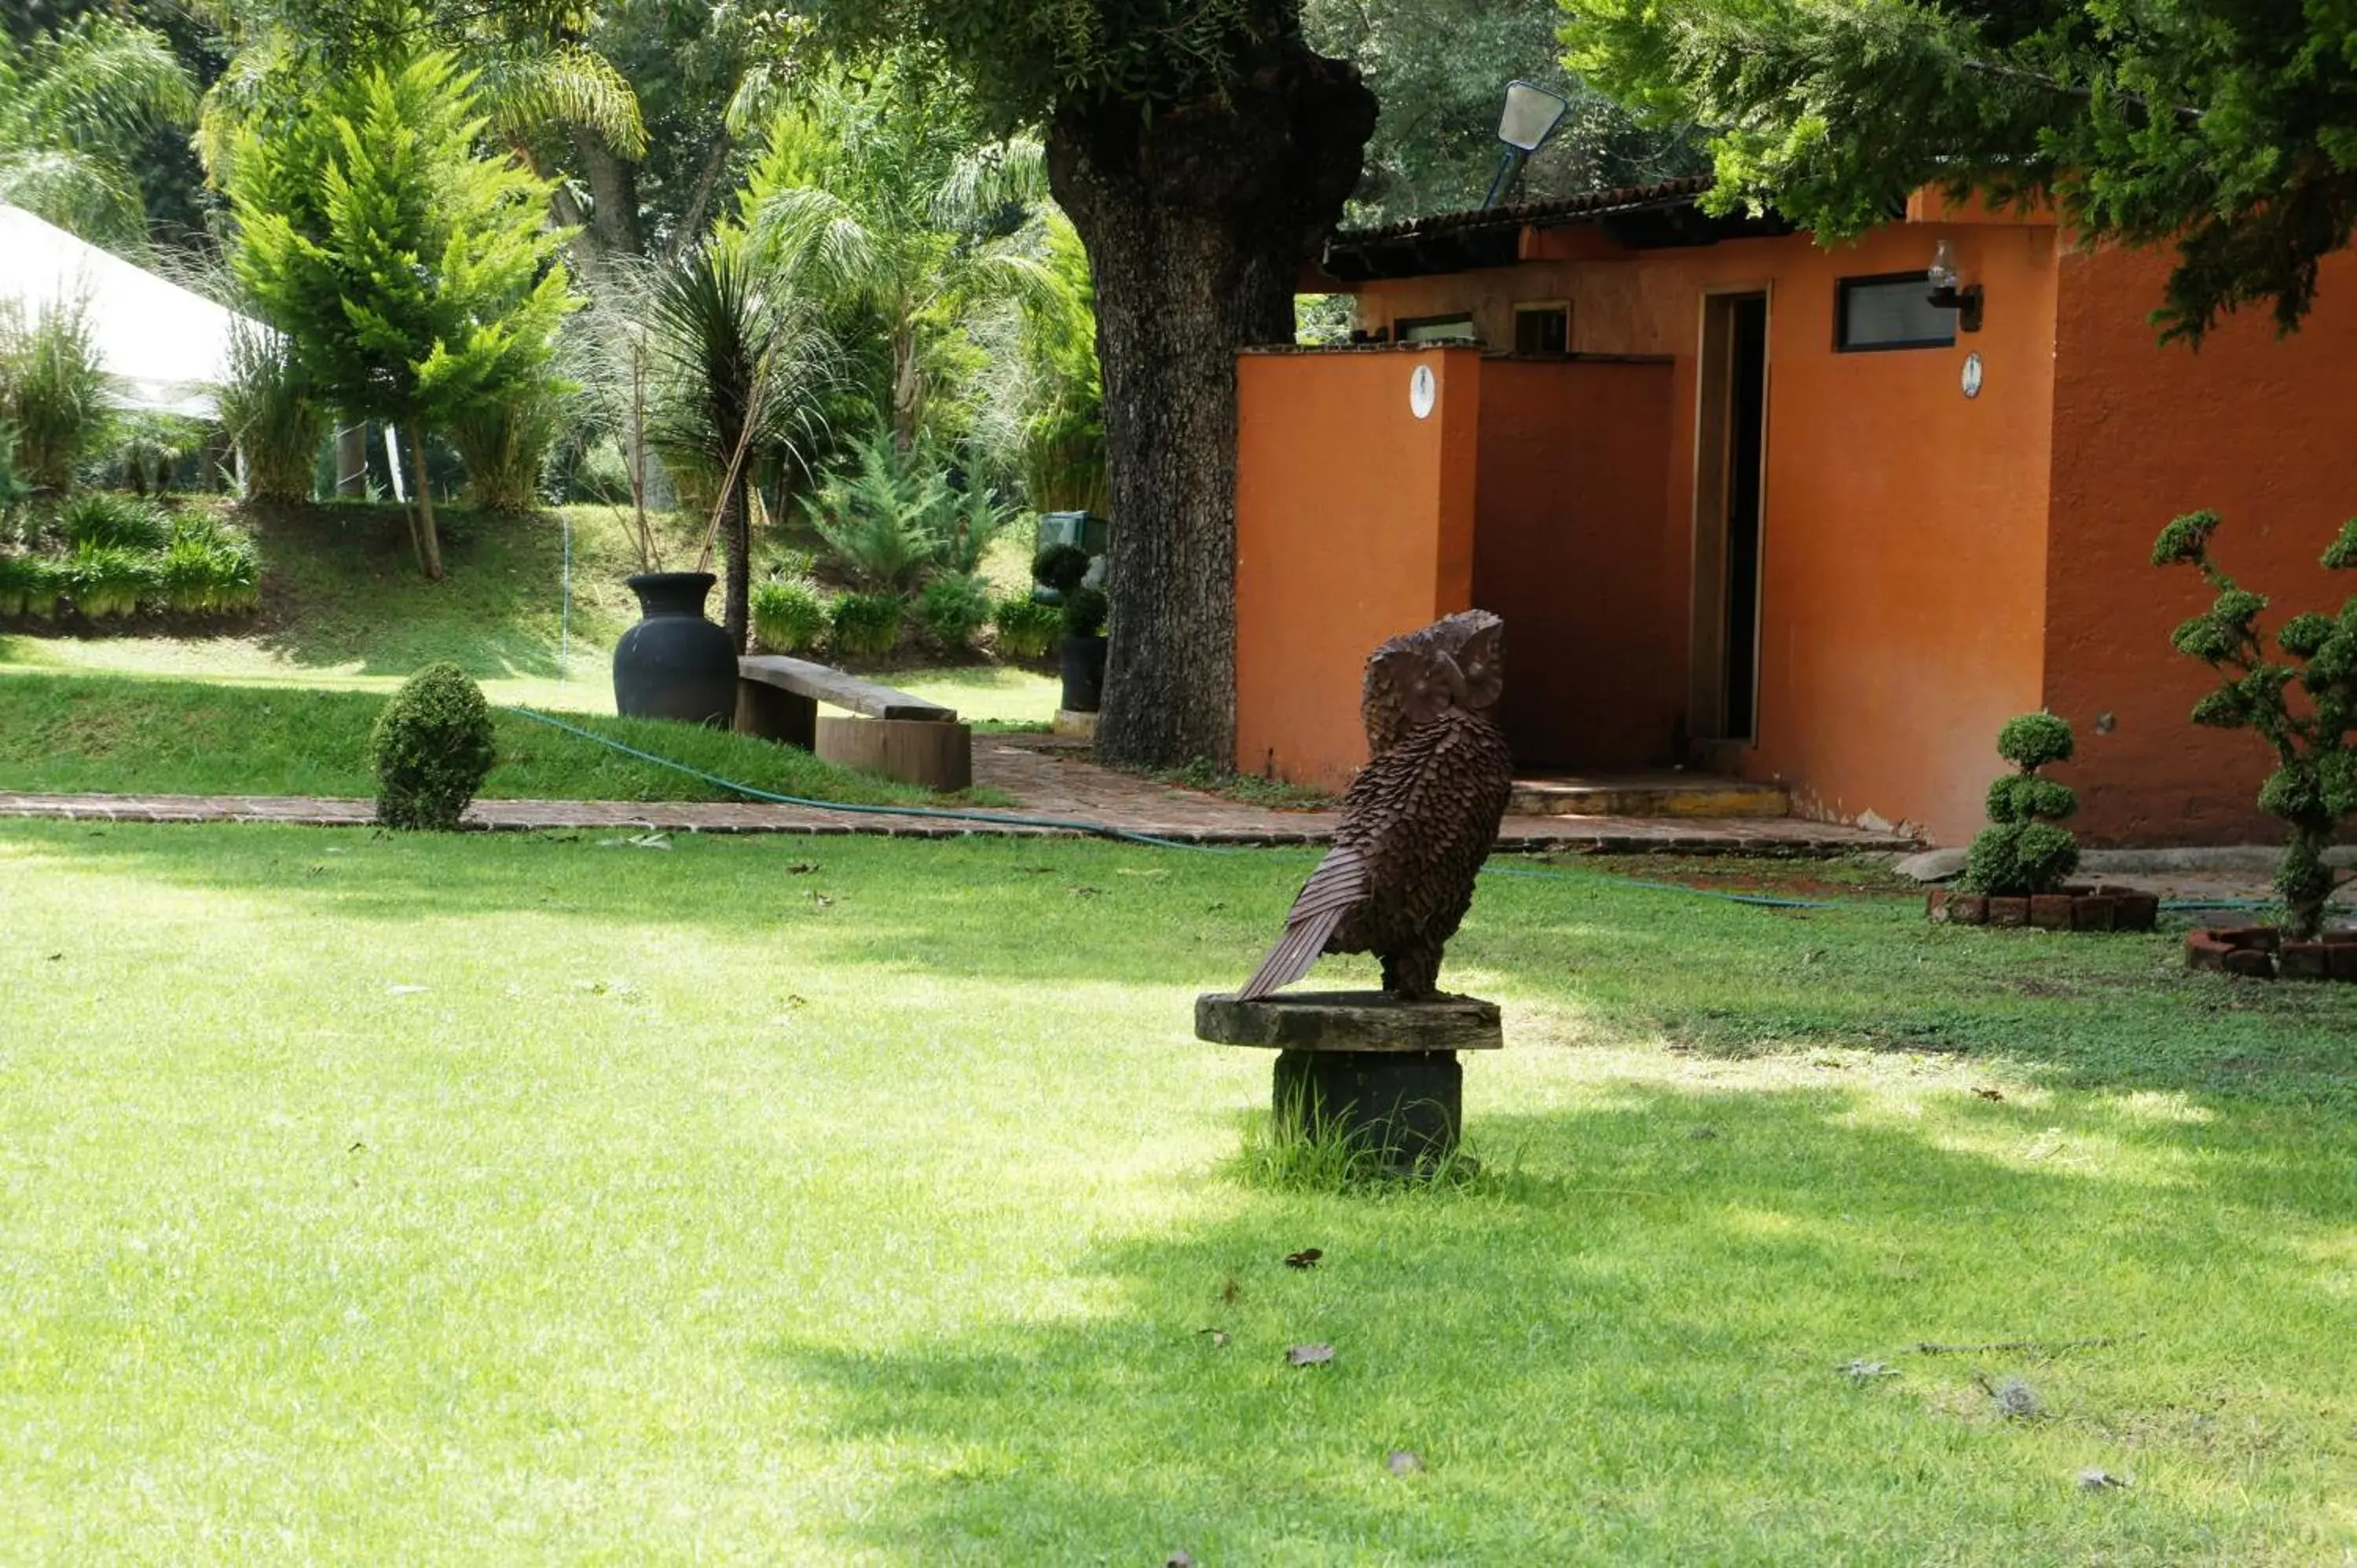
[(1530, 117), (1945, 295)]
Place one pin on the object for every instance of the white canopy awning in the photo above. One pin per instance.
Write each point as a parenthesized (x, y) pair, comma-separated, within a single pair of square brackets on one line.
[(165, 345)]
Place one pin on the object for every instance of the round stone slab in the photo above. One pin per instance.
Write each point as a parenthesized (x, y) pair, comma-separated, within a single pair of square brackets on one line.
[(1349, 1021)]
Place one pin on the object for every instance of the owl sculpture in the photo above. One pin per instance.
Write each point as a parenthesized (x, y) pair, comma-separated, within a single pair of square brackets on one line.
[(1420, 818)]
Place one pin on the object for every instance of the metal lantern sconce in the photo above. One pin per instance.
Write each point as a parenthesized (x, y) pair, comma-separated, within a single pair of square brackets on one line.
[(1945, 295), (1531, 115)]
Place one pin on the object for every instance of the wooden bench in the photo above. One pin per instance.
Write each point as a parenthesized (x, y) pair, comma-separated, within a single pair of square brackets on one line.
[(893, 734)]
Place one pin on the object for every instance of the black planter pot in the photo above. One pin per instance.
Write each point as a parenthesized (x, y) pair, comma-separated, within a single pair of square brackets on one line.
[(674, 664), (1083, 659)]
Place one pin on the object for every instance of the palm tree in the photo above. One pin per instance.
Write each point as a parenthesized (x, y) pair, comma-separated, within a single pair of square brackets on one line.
[(877, 195), (75, 107), (747, 365)]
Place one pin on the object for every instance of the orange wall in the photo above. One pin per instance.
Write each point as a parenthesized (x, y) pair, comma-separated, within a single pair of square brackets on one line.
[(1572, 544), (2256, 428), (1354, 522), (1899, 626)]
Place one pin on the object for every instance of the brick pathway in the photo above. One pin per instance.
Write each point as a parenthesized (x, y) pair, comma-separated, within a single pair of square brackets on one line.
[(1043, 783)]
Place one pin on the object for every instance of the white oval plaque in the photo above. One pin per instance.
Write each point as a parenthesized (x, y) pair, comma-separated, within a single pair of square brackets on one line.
[(1973, 375), (1422, 392)]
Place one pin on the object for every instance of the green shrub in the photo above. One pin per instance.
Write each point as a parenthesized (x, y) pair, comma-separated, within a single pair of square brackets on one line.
[(790, 614), (1084, 613), (868, 626), (266, 404), (1061, 567), (2022, 851), (952, 610), (883, 518), (150, 449), (2314, 786), (974, 519), (505, 443), (209, 568), (114, 522), (54, 391), (106, 582), (433, 749), (29, 585), (1027, 629)]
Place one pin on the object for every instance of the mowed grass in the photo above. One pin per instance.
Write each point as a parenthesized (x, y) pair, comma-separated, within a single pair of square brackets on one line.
[(125, 735), (487, 1200), (344, 608)]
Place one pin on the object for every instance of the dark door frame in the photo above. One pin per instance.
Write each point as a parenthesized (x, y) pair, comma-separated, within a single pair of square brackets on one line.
[(1721, 720)]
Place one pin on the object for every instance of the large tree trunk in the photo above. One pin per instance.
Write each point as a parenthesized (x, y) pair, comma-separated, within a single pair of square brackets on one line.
[(1197, 221), (613, 195), (351, 458), (429, 542)]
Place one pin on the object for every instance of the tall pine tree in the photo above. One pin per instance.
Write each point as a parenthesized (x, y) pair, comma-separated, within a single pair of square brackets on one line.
[(417, 277)]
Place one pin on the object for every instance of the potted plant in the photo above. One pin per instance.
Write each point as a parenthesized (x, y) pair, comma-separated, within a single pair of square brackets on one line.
[(1083, 648)]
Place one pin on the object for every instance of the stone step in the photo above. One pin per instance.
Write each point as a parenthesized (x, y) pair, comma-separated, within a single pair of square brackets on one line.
[(1657, 794)]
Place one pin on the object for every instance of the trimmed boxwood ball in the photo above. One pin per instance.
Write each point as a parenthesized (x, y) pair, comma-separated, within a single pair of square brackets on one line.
[(2032, 741), (1061, 567), (2022, 851), (434, 749)]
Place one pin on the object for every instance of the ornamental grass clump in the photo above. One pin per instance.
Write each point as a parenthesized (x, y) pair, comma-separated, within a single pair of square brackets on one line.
[(434, 749), (791, 613), (2314, 786), (1025, 628), (2022, 852)]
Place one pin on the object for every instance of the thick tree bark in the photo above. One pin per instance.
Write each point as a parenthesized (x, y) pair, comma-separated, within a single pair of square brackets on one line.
[(613, 195), (1197, 220), (428, 540)]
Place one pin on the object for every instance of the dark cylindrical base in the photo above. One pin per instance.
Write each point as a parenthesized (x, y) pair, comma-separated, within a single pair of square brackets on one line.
[(1406, 1105), (1084, 662)]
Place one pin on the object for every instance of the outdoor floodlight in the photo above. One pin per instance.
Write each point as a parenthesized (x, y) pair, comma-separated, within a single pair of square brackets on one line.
[(1530, 117), (1946, 294)]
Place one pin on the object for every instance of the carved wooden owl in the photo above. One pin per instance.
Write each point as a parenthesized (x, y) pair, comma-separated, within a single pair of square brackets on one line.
[(1420, 818)]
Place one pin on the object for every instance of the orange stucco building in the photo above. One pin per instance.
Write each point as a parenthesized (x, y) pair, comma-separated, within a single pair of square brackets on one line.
[(1753, 505)]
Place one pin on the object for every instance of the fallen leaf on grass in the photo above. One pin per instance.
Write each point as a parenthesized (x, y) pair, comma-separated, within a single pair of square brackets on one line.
[(1860, 1371), (801, 868), (1310, 1355), (1402, 1462), (1305, 1259), (643, 841), (55, 956), (1179, 1559), (1085, 892), (1219, 1336), (823, 900), (2102, 1480), (1986, 1092), (2016, 1399), (404, 991)]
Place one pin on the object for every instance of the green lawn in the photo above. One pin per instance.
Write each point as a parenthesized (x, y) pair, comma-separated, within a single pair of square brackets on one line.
[(130, 734), (538, 1198), (344, 607)]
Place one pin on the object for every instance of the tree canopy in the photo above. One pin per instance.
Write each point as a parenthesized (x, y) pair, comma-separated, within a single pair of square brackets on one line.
[(2225, 128)]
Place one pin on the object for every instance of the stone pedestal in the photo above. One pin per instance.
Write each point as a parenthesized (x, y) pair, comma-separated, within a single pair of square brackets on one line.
[(1380, 1071)]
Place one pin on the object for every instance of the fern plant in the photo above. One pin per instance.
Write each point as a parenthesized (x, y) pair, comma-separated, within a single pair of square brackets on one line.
[(880, 515)]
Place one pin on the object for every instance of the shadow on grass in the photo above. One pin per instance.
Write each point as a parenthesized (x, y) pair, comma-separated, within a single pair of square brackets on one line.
[(341, 587), (1632, 1354), (1578, 958)]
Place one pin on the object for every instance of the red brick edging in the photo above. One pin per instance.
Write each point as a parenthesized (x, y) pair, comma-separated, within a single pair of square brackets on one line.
[(2261, 953), (1199, 820), (2072, 910)]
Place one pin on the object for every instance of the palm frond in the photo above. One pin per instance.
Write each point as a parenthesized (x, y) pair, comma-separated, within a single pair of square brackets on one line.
[(82, 193), (525, 90)]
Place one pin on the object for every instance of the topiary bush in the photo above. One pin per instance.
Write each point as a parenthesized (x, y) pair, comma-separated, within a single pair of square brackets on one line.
[(2314, 786), (868, 626), (1084, 612), (1027, 629), (1061, 567), (2022, 852), (433, 748), (791, 613), (953, 610)]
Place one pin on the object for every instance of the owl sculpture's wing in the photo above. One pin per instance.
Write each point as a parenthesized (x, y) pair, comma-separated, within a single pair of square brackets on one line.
[(1333, 890)]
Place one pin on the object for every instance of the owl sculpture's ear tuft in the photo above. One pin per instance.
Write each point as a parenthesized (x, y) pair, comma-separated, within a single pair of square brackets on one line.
[(1431, 686), (1483, 661)]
